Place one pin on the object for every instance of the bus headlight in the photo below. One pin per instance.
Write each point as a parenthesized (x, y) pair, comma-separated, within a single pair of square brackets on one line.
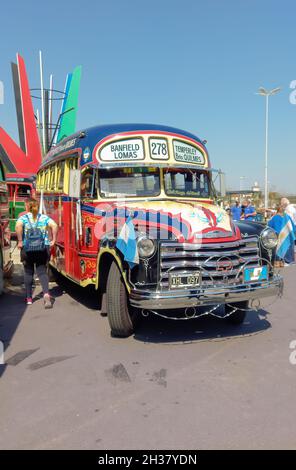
[(269, 238), (146, 247)]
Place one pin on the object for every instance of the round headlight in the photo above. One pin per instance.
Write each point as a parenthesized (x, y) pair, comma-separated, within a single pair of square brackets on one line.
[(146, 247), (269, 238)]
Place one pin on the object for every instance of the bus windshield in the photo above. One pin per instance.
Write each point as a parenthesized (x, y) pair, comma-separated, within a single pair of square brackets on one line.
[(186, 182), (129, 182)]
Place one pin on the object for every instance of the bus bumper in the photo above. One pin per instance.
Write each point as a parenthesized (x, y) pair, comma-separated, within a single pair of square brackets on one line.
[(176, 299)]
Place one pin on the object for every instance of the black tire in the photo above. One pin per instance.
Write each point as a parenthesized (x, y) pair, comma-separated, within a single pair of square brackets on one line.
[(237, 317), (122, 318), (1, 275)]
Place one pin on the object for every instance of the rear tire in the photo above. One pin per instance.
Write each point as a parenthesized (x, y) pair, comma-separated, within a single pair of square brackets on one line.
[(237, 317), (122, 318)]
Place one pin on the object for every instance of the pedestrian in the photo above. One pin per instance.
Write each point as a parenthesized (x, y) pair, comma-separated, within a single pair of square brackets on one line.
[(289, 209), (32, 231), (284, 226), (236, 211), (248, 211)]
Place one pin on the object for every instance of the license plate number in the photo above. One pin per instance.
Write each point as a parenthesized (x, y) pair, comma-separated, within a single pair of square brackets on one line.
[(184, 280)]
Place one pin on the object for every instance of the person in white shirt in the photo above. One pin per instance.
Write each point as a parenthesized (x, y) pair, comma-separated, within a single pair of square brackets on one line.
[(289, 208)]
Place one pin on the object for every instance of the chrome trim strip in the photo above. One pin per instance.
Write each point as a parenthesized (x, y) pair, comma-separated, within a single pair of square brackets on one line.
[(206, 254), (198, 246), (205, 265)]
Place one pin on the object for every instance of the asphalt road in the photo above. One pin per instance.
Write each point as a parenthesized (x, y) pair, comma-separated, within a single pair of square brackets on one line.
[(198, 384)]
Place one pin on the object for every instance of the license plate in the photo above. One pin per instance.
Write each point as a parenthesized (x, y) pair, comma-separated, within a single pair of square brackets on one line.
[(184, 280), (259, 273)]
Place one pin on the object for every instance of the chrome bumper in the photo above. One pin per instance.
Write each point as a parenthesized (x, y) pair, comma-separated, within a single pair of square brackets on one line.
[(175, 299)]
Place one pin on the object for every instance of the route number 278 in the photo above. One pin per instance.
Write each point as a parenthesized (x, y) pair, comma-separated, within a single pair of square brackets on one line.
[(159, 149)]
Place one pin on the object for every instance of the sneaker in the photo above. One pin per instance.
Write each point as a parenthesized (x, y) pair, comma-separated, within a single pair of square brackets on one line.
[(47, 301), (29, 300)]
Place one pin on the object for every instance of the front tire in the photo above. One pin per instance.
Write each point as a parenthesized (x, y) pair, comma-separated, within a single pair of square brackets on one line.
[(122, 318), (237, 317)]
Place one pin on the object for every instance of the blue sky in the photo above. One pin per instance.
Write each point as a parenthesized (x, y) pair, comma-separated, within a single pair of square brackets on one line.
[(191, 64)]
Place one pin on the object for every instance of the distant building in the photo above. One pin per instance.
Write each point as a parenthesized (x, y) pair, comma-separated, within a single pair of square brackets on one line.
[(256, 188)]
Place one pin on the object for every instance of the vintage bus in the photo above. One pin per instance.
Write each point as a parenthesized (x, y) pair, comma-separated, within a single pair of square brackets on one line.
[(20, 186), (137, 218), (5, 261)]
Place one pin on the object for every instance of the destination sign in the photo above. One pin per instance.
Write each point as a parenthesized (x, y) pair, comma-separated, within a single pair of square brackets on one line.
[(123, 150), (187, 153)]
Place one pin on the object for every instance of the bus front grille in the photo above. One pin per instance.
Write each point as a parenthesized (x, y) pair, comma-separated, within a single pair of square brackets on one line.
[(219, 263)]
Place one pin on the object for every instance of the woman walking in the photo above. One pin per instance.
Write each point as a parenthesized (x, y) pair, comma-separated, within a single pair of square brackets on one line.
[(32, 231)]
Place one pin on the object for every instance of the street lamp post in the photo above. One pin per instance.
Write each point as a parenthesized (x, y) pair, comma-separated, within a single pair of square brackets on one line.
[(240, 187), (267, 94)]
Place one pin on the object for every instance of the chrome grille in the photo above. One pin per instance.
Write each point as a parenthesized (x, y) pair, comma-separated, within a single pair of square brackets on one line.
[(209, 258)]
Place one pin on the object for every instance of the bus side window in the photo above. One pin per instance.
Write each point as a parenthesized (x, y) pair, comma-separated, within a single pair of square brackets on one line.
[(46, 179), (71, 164), (23, 190), (61, 175), (51, 178), (40, 180), (87, 183), (54, 182)]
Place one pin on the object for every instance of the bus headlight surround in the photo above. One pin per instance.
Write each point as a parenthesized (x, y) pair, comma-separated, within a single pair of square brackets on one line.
[(269, 238), (146, 247)]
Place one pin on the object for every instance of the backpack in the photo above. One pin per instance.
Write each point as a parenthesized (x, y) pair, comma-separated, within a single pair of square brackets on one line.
[(34, 239)]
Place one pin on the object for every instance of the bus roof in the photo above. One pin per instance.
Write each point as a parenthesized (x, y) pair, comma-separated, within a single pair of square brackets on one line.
[(89, 141)]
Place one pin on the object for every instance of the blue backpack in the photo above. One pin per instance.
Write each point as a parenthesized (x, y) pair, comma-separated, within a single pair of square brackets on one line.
[(34, 239)]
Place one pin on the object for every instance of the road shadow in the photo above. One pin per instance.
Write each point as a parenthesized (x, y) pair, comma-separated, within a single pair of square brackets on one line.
[(86, 296), (12, 309), (154, 329)]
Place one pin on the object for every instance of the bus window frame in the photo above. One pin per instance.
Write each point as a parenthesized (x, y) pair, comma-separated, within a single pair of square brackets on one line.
[(61, 169), (95, 177), (46, 178), (188, 196), (42, 180), (52, 178), (19, 185), (71, 164), (102, 197)]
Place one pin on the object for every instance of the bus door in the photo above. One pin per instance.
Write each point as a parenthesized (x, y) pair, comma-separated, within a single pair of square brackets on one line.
[(71, 235)]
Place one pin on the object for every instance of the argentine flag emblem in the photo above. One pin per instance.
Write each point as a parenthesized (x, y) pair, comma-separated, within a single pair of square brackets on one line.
[(286, 238), (127, 243)]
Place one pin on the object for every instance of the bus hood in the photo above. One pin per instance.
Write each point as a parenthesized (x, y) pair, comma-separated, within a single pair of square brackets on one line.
[(185, 220)]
